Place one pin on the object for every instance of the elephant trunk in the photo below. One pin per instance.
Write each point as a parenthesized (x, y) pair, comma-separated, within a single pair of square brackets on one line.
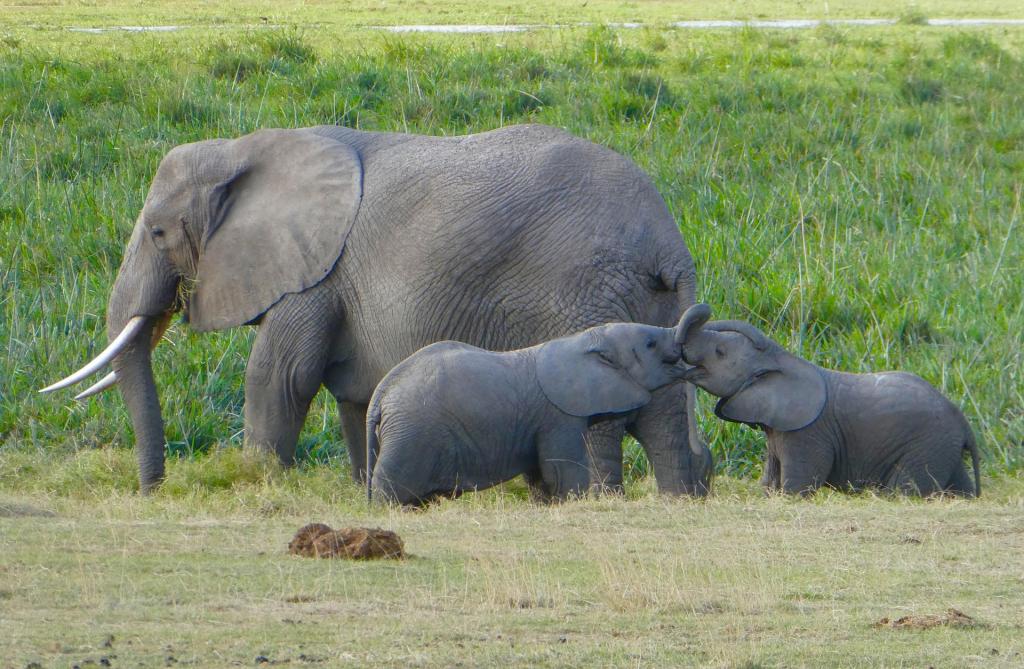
[(139, 310), (146, 287), (689, 324), (135, 379)]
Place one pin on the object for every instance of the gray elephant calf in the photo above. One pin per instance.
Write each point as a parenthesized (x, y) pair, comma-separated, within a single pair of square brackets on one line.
[(892, 430), (453, 417)]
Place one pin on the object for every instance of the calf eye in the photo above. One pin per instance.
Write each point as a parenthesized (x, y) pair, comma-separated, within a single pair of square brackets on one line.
[(158, 232)]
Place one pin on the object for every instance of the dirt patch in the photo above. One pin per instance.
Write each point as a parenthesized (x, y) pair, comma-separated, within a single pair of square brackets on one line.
[(951, 617), (354, 543)]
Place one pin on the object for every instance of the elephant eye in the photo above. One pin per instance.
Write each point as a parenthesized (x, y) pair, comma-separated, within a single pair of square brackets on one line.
[(719, 351), (603, 356), (651, 343)]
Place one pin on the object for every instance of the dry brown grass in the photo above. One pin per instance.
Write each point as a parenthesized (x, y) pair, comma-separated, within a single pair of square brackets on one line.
[(737, 580)]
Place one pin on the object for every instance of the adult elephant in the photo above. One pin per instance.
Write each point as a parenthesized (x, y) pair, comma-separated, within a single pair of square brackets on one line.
[(351, 250)]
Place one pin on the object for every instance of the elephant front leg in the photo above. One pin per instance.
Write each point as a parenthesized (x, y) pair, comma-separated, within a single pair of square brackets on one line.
[(804, 467), (771, 477), (284, 373), (562, 460), (667, 430), (603, 442)]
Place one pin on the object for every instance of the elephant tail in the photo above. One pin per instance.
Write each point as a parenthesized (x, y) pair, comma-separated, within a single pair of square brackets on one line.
[(372, 443), (972, 445)]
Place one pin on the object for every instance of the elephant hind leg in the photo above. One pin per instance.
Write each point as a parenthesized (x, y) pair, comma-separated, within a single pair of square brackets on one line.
[(353, 431), (411, 468), (960, 482), (388, 488), (910, 478)]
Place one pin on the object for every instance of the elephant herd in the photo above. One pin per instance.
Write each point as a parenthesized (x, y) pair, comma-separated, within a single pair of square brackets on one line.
[(483, 306)]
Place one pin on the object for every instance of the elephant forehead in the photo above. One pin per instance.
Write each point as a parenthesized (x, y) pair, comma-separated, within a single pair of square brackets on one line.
[(734, 340), (177, 184), (632, 331)]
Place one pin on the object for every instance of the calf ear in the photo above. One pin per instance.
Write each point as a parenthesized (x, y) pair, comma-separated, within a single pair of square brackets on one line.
[(785, 399), (583, 378)]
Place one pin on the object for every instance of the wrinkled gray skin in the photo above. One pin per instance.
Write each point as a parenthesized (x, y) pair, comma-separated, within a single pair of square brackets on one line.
[(501, 240), (891, 430), (454, 417)]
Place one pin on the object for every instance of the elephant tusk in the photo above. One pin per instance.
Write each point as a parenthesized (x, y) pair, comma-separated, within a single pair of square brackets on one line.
[(106, 382), (122, 340), (110, 379)]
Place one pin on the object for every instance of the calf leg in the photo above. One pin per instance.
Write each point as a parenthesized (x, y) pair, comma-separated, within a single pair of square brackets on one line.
[(603, 442), (804, 470), (771, 478), (564, 466)]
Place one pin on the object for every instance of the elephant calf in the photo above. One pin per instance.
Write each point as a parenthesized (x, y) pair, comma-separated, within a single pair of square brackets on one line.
[(892, 430), (453, 417)]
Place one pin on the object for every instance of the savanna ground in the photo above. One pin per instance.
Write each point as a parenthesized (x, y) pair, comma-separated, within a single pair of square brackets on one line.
[(854, 191)]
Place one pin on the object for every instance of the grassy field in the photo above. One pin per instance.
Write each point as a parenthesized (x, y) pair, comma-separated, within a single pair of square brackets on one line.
[(199, 575), (854, 191)]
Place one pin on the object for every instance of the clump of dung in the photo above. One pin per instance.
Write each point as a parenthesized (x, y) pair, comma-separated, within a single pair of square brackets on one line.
[(353, 543)]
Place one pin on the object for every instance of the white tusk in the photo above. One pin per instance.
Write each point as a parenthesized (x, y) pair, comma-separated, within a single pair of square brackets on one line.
[(131, 329), (98, 387)]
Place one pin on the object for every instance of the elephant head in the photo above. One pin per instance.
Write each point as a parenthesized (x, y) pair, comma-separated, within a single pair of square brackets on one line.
[(608, 369), (227, 229), (759, 383)]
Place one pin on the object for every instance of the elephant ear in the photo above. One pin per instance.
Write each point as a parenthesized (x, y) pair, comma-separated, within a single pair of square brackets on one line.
[(788, 398), (582, 377), (278, 224)]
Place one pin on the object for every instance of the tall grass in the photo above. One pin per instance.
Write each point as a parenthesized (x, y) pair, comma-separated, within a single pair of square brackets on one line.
[(856, 194)]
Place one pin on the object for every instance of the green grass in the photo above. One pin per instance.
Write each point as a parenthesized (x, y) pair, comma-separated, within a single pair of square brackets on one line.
[(854, 192), (199, 573)]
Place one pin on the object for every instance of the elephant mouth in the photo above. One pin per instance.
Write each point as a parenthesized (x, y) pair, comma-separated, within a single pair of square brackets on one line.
[(693, 373), (183, 299), (725, 399)]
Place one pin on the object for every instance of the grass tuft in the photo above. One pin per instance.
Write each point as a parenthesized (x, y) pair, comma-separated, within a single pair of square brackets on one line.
[(913, 17)]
